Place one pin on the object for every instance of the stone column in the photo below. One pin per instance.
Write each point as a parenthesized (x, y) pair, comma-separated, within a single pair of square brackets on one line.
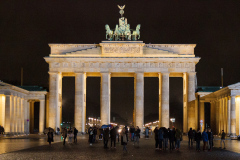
[(25, 110), (139, 99), (54, 109), (233, 116), (165, 100), (160, 98), (28, 117), (41, 116), (22, 115), (185, 102), (191, 97), (105, 98), (202, 115), (80, 101), (225, 114), (229, 115), (13, 115), (8, 106), (217, 116)]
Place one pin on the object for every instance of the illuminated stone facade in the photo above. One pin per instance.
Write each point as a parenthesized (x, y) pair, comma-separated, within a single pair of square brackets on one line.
[(120, 59), (17, 109), (224, 109)]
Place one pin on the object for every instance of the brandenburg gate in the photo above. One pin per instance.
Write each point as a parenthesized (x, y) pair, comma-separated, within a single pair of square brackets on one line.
[(123, 55)]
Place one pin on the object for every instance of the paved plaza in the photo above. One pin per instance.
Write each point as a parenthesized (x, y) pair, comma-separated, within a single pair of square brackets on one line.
[(37, 148)]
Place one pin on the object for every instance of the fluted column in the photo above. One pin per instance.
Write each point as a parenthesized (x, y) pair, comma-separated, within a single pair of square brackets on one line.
[(54, 99), (229, 115), (105, 98), (160, 98), (139, 99), (8, 106), (13, 115), (191, 97), (41, 116), (217, 116), (165, 100), (80, 101), (28, 117), (25, 115), (22, 115), (233, 116), (185, 102)]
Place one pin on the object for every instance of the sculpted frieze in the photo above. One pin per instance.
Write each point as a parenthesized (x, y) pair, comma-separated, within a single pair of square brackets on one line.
[(189, 66), (121, 49)]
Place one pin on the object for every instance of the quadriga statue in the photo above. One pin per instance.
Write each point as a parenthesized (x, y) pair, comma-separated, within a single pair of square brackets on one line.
[(109, 33), (136, 33), (127, 33)]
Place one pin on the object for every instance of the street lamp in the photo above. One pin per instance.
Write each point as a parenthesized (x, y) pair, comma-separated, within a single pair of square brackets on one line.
[(172, 120)]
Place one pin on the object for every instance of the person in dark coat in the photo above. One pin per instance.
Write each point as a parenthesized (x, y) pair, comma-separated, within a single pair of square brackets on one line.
[(156, 137), (113, 137), (137, 135), (90, 132), (64, 134), (105, 137), (210, 139), (124, 139), (132, 131), (223, 135), (198, 138), (117, 133), (172, 138), (50, 137), (75, 132), (205, 139), (160, 137), (190, 137), (165, 138)]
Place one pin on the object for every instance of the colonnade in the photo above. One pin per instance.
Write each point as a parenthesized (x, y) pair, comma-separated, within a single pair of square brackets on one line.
[(55, 93), (224, 114), (18, 114)]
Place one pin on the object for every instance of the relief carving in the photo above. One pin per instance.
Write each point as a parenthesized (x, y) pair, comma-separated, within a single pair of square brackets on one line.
[(122, 49)]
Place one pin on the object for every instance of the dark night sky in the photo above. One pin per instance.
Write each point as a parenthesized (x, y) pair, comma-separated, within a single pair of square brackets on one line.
[(26, 28)]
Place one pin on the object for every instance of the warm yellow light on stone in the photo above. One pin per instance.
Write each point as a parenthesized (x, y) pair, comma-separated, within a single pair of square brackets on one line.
[(2, 110)]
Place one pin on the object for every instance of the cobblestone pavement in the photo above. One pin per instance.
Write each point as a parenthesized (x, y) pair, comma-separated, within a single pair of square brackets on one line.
[(39, 149)]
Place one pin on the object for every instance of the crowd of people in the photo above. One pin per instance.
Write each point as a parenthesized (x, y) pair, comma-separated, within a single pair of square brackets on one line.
[(164, 138)]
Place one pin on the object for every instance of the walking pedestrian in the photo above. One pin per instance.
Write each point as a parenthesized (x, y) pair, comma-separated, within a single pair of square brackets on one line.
[(113, 137), (137, 135), (172, 138), (105, 137), (124, 139), (70, 137), (210, 139), (178, 136), (75, 132), (165, 138), (156, 138), (64, 134), (50, 137), (205, 139), (90, 132), (117, 133), (132, 131), (223, 135), (190, 137), (198, 138), (146, 133), (160, 138)]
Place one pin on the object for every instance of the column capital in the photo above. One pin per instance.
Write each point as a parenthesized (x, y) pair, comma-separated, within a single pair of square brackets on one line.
[(80, 72), (165, 73)]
